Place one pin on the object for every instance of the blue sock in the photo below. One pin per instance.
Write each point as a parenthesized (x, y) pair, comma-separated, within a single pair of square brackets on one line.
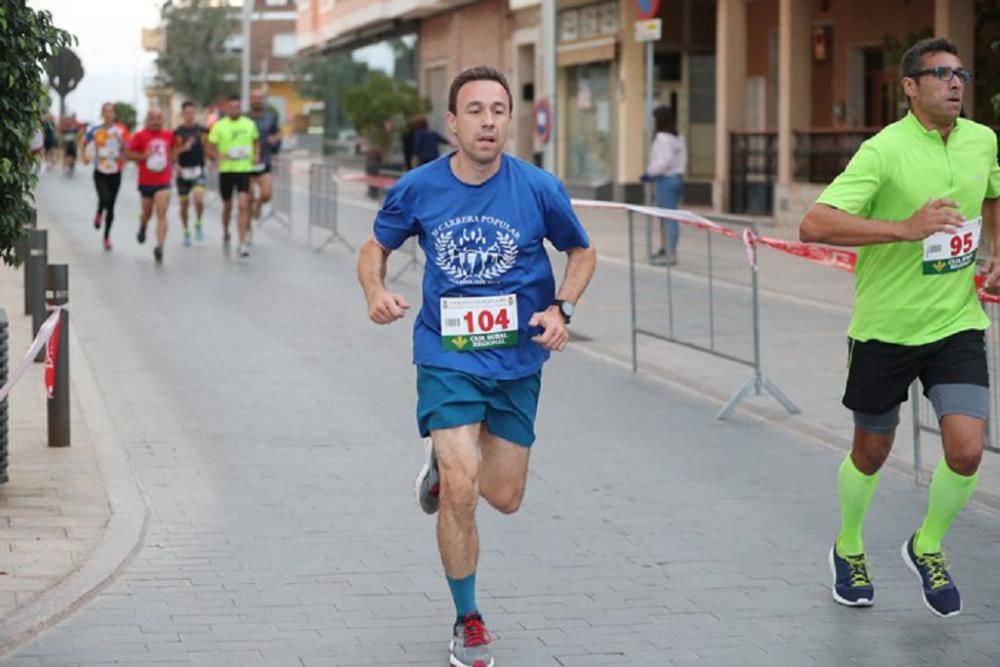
[(463, 592)]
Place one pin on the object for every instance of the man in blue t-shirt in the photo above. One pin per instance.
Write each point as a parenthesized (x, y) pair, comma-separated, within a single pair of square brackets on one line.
[(490, 317)]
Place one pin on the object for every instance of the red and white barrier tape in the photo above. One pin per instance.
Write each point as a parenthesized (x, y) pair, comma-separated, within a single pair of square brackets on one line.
[(845, 260), (48, 331), (835, 257)]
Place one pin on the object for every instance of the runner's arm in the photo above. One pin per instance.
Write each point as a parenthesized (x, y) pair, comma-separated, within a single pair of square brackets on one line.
[(211, 150), (580, 266), (384, 307), (991, 226), (132, 154), (81, 145), (826, 224), (256, 151), (991, 231)]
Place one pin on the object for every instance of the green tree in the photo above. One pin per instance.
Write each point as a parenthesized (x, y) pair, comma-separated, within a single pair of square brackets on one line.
[(65, 72), (379, 106), (126, 114), (327, 77), (27, 40), (196, 62)]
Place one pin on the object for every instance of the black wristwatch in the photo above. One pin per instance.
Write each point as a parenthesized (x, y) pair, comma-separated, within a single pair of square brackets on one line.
[(566, 308)]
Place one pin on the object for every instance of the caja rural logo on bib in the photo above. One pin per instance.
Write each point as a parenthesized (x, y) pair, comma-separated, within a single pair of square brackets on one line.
[(475, 249)]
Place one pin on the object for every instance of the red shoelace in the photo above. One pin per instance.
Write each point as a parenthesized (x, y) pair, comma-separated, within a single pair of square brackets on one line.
[(474, 633)]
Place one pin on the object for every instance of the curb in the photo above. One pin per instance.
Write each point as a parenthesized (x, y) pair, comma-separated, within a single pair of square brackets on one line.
[(123, 535)]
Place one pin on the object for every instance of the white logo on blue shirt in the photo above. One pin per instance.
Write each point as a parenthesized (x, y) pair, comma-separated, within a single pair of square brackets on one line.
[(480, 252)]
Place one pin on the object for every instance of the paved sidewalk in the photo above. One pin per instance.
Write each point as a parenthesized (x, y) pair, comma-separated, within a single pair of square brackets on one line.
[(59, 539), (271, 429)]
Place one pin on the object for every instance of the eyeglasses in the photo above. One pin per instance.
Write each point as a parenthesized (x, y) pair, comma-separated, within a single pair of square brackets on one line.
[(944, 73)]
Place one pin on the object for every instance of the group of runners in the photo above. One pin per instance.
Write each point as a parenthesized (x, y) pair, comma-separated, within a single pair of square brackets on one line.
[(240, 146), (917, 198)]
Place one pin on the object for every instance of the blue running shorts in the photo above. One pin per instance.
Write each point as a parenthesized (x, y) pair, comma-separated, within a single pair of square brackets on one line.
[(446, 399)]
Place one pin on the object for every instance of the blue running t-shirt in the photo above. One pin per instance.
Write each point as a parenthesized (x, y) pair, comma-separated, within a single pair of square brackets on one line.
[(482, 240)]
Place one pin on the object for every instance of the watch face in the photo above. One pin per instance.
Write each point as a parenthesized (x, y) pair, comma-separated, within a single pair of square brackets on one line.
[(567, 308)]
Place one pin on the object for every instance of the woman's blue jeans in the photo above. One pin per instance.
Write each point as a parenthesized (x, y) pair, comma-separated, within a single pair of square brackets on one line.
[(668, 191)]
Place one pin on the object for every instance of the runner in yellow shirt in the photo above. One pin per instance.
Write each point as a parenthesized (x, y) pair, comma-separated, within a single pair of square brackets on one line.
[(916, 197), (234, 142)]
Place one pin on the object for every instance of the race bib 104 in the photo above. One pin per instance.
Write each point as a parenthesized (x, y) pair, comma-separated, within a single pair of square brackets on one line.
[(946, 252), (476, 323)]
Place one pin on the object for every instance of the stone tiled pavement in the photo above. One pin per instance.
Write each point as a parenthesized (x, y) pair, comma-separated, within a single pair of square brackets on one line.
[(271, 429), (54, 510)]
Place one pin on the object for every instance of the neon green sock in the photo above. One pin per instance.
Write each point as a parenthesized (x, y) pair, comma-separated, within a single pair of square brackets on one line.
[(949, 493), (856, 491)]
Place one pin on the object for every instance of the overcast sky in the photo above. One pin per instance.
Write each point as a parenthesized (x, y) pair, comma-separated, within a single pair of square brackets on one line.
[(110, 47)]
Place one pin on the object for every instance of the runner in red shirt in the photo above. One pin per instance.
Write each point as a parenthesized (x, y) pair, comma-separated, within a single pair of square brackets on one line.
[(153, 149)]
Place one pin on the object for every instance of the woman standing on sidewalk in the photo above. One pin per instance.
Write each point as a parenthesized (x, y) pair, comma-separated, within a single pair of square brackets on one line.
[(667, 163)]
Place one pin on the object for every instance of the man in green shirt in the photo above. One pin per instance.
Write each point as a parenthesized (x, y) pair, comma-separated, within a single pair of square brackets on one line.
[(916, 198), (234, 141)]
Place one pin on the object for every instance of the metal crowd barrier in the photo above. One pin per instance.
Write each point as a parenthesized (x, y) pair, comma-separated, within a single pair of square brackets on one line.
[(702, 333), (281, 193), (323, 207), (924, 417)]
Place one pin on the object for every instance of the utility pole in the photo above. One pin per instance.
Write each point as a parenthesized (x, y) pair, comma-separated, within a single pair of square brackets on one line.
[(549, 35), (245, 55)]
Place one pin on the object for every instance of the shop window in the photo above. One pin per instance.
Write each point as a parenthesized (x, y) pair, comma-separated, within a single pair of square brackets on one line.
[(702, 88), (283, 45), (588, 21), (589, 146), (668, 66)]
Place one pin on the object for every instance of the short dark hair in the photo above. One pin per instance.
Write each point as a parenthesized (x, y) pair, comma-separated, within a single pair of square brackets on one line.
[(913, 58), (481, 73), (665, 120), (234, 97), (187, 103)]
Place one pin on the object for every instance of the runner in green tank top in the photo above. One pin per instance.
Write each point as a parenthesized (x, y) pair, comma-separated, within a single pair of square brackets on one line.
[(917, 198)]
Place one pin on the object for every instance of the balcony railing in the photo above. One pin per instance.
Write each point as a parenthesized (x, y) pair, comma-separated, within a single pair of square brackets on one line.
[(821, 154), (753, 169)]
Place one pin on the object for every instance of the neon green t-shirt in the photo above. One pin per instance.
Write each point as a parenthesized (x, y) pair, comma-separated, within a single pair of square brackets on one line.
[(917, 292), (234, 141)]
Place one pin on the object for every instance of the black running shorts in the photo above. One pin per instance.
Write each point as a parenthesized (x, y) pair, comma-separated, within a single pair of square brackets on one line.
[(880, 374), (230, 180)]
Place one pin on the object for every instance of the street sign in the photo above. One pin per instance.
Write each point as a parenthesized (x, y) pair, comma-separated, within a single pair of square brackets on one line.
[(543, 120), (648, 8), (649, 30)]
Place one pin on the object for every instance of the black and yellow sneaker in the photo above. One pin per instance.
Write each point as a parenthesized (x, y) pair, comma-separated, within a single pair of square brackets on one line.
[(940, 592), (851, 584)]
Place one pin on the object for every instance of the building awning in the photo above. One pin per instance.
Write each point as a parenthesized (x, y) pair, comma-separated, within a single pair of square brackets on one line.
[(586, 51)]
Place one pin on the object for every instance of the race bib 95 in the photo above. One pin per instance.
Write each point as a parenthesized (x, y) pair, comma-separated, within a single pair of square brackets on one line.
[(946, 252)]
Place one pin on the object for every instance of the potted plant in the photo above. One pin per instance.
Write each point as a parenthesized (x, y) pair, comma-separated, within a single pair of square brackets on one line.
[(377, 108)]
